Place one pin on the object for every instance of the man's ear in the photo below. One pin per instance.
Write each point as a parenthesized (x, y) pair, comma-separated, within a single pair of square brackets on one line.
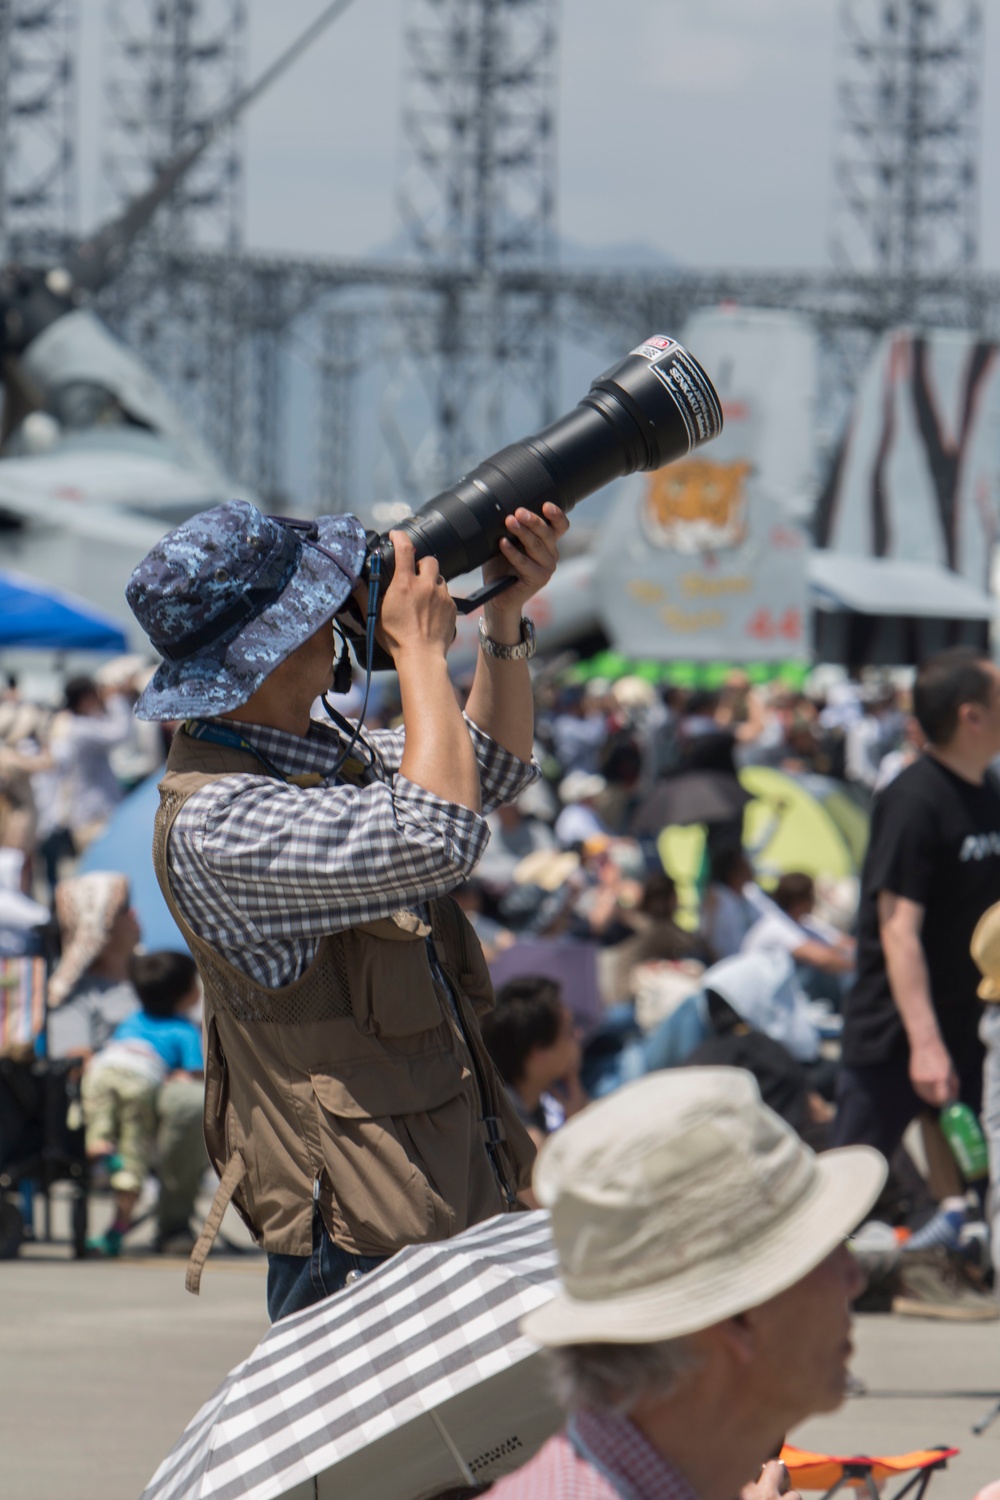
[(352, 609), (738, 1337)]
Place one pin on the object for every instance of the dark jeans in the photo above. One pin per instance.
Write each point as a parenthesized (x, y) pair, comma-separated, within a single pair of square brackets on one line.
[(875, 1104), (298, 1281)]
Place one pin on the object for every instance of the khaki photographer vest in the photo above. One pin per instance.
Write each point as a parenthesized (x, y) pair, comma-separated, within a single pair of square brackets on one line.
[(353, 1090)]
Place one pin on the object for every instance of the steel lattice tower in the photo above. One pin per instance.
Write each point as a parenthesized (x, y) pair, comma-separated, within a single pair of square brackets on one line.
[(171, 65), (37, 127), (907, 164), (477, 194)]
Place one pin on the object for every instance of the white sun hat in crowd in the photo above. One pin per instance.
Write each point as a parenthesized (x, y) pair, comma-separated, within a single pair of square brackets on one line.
[(682, 1200), (580, 786)]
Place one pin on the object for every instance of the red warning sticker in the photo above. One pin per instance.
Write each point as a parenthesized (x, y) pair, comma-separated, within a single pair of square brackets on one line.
[(656, 346)]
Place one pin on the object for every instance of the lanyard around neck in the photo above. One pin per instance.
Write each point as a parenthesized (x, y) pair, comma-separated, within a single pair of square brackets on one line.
[(231, 739)]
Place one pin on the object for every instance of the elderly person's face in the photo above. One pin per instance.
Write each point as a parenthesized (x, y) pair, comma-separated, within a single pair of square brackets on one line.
[(800, 1341)]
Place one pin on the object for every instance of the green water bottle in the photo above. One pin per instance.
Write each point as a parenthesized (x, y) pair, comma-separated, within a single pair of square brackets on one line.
[(960, 1129)]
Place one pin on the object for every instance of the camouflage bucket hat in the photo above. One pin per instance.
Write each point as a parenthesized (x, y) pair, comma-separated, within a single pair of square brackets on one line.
[(228, 595)]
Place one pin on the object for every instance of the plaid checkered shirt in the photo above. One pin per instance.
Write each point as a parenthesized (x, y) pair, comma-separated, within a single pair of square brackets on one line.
[(599, 1456), (262, 869)]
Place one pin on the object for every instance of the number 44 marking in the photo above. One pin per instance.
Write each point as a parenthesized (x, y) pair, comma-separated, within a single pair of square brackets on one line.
[(765, 625)]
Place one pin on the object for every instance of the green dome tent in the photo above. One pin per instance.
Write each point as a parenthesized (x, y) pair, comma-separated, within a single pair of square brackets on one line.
[(795, 822)]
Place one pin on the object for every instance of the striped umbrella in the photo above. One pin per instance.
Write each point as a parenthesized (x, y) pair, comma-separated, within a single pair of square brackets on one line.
[(412, 1381)]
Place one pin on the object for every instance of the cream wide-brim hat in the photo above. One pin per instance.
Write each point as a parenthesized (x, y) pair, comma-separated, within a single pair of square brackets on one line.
[(985, 949), (682, 1200)]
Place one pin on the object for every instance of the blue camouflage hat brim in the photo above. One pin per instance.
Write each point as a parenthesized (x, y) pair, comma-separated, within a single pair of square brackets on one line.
[(223, 675)]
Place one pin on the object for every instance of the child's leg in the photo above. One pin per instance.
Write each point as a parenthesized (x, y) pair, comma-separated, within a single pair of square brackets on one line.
[(136, 1143), (124, 1204), (119, 1115), (97, 1098), (181, 1154)]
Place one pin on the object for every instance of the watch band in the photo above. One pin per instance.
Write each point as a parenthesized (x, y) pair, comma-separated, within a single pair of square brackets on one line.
[(523, 651)]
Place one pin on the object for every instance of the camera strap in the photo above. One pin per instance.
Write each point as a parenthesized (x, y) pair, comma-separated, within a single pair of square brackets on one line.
[(338, 720)]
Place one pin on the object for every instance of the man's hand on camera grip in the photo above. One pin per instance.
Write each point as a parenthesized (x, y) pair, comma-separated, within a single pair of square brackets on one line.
[(529, 551), (418, 614)]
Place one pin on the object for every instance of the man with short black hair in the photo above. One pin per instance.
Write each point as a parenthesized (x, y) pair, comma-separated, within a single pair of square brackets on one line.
[(945, 683), (531, 1036), (933, 867)]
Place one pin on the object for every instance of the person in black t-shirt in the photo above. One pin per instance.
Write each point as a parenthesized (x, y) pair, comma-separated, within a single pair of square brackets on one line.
[(910, 1037)]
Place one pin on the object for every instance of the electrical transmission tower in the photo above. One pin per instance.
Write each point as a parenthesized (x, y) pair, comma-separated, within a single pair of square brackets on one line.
[(907, 164), (170, 67), (477, 199), (37, 127)]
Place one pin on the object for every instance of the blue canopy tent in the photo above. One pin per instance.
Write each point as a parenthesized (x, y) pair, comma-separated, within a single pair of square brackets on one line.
[(34, 616), (126, 846)]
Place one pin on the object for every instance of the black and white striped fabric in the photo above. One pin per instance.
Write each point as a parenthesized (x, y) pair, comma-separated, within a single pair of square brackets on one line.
[(416, 1378)]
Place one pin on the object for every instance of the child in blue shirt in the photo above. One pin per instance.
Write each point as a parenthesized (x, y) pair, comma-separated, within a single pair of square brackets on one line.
[(120, 1086)]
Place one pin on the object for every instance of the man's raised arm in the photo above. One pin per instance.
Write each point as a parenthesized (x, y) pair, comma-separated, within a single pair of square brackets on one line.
[(500, 701)]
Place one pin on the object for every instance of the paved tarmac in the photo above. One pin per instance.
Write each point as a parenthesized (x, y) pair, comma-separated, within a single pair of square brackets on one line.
[(102, 1364)]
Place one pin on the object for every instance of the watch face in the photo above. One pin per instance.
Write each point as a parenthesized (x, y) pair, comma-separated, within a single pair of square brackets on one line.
[(528, 631)]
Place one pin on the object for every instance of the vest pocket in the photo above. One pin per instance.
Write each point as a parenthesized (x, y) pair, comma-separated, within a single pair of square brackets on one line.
[(392, 991), (396, 1157)]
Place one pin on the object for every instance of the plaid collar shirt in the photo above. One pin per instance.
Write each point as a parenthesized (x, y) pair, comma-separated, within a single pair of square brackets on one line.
[(262, 869), (598, 1456)]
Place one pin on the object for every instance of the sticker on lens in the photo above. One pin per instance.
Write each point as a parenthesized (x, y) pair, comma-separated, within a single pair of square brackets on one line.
[(656, 346)]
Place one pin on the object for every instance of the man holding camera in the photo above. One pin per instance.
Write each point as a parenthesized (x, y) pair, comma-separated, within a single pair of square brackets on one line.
[(351, 1107)]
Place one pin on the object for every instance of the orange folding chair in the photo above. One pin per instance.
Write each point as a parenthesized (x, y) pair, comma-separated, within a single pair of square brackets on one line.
[(831, 1472)]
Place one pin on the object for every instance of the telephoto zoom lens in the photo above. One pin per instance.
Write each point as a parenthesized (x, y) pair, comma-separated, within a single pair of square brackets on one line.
[(652, 407)]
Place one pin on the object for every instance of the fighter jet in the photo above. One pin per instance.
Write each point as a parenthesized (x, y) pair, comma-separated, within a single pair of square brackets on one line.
[(96, 459)]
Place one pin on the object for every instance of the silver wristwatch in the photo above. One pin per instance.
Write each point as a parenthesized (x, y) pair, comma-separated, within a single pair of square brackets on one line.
[(523, 651)]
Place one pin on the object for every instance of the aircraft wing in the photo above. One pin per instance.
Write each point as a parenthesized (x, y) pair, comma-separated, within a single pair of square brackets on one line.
[(137, 476), (82, 520)]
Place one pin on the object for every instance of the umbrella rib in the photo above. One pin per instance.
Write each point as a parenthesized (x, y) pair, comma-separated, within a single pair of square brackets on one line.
[(464, 1469)]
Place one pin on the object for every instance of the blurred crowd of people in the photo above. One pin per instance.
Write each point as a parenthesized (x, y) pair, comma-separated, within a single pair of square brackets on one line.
[(63, 771), (630, 729), (604, 747), (601, 975)]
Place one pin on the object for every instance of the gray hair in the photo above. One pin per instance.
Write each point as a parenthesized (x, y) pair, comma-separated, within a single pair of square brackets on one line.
[(613, 1377)]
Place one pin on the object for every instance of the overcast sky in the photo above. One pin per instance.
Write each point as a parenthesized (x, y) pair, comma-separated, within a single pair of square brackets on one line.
[(703, 128)]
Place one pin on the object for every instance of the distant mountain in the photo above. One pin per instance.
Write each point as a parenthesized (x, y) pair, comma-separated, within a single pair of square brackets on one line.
[(630, 255)]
